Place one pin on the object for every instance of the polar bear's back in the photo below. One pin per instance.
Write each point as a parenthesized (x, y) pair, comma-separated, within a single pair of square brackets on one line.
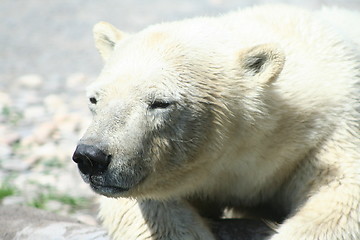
[(321, 60), (322, 51), (345, 21)]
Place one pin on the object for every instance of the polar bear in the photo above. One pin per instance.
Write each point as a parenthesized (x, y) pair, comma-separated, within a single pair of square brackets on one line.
[(254, 113)]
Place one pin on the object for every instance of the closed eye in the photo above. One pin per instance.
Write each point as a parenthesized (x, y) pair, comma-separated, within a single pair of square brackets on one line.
[(159, 104)]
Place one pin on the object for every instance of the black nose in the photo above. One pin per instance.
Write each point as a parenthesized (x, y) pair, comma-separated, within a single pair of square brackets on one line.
[(90, 159)]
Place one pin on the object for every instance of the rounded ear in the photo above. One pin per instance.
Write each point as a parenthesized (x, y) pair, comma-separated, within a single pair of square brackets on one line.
[(262, 63), (106, 36)]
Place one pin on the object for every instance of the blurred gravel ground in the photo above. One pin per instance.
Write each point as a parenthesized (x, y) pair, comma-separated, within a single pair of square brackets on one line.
[(47, 58)]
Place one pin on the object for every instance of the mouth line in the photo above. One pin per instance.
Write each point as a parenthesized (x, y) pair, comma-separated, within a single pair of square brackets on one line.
[(102, 189), (108, 190)]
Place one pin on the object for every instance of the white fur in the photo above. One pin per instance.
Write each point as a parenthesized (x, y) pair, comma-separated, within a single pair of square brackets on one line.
[(291, 142)]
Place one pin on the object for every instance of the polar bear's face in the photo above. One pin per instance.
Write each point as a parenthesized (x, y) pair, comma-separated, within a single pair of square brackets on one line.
[(156, 112), (144, 131), (141, 133), (145, 126)]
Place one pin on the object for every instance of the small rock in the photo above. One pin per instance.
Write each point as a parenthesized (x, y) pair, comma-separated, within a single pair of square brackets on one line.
[(9, 138), (34, 113), (68, 124), (30, 98), (31, 159), (15, 165), (86, 219), (53, 205), (11, 200), (35, 180), (55, 103), (76, 80), (45, 151), (5, 151), (31, 81), (64, 150), (5, 100), (43, 132)]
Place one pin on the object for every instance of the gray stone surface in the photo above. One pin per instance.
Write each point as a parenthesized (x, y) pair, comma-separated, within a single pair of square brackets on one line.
[(24, 223)]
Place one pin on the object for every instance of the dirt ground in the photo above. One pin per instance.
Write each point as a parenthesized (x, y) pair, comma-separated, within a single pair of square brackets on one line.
[(47, 56)]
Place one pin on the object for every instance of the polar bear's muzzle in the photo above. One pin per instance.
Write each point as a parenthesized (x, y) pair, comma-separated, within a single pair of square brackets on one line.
[(93, 163), (95, 168)]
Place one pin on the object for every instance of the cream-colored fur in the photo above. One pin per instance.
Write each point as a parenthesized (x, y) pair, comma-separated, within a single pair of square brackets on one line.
[(258, 112)]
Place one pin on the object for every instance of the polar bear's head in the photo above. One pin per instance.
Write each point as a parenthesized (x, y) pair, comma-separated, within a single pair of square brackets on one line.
[(164, 108)]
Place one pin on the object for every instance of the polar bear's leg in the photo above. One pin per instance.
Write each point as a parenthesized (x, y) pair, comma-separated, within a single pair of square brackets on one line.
[(325, 216), (153, 220), (332, 212), (174, 220)]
